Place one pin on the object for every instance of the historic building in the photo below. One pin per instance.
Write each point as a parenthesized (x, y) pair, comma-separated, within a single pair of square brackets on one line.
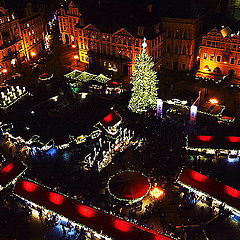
[(182, 37), (111, 45), (220, 55), (21, 36)]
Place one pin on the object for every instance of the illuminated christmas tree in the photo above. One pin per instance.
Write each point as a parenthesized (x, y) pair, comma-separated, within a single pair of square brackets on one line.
[(144, 79)]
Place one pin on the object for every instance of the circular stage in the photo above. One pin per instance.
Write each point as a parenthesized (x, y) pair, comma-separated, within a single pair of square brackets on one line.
[(129, 186)]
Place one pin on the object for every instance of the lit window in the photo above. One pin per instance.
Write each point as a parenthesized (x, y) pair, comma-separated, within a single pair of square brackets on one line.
[(218, 58), (232, 61), (27, 24)]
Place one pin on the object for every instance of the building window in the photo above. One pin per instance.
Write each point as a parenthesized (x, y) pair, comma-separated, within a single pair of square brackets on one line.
[(184, 50), (140, 31), (204, 56), (234, 46), (232, 60), (238, 62), (168, 48), (185, 35), (176, 49), (183, 66), (211, 58), (218, 58), (208, 42)]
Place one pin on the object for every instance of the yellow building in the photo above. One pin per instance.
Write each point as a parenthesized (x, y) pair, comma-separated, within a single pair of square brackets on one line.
[(21, 36)]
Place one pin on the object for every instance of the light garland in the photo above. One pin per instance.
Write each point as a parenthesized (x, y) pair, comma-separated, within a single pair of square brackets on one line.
[(123, 199), (232, 209), (94, 207), (144, 80)]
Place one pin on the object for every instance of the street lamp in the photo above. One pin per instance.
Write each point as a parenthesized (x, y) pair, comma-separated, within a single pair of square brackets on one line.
[(76, 57), (74, 45), (33, 54), (213, 101)]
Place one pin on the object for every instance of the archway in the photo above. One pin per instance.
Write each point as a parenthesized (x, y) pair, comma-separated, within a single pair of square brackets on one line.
[(217, 70), (66, 39), (207, 68)]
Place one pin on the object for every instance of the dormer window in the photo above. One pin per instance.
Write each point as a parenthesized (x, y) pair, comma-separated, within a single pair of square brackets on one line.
[(156, 27), (140, 31)]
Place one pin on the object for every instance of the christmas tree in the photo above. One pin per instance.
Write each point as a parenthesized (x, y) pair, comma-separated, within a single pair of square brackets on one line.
[(144, 79)]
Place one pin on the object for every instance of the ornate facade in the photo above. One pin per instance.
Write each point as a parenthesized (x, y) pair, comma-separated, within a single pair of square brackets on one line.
[(21, 38), (220, 56), (108, 50), (181, 42)]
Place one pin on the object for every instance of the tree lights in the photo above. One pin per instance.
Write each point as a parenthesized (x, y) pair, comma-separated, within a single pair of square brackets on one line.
[(144, 92)]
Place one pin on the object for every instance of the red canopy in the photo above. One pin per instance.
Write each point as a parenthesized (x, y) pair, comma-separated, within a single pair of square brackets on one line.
[(214, 142), (10, 171), (210, 186), (129, 185), (113, 84), (111, 119), (90, 217)]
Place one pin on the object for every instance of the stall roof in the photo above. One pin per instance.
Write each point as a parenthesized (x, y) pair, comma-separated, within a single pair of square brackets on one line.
[(111, 119), (95, 219), (214, 142), (10, 171), (211, 187)]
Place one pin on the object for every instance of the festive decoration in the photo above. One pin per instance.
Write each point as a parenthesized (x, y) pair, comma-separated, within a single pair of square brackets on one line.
[(156, 192), (129, 186), (206, 186), (144, 91), (11, 95)]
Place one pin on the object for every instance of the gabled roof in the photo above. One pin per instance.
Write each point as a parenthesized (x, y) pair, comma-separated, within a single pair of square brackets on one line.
[(91, 27), (123, 32)]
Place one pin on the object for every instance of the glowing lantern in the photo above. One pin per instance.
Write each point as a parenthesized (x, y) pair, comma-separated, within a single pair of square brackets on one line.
[(74, 46), (213, 101), (86, 211), (76, 57), (4, 70), (33, 54), (8, 168), (122, 225), (56, 198), (156, 192), (29, 186)]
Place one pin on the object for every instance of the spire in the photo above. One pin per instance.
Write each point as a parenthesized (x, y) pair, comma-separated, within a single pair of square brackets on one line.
[(144, 44)]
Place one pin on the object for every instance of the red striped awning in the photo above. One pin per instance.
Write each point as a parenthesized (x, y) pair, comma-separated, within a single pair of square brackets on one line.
[(10, 171), (211, 187), (95, 219)]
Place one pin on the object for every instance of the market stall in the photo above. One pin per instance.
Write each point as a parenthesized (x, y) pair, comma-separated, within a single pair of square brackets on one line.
[(99, 221), (209, 187), (129, 186)]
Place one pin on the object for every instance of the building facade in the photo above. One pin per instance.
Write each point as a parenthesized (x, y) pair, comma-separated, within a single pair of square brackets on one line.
[(21, 38), (220, 56), (182, 37), (112, 51)]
